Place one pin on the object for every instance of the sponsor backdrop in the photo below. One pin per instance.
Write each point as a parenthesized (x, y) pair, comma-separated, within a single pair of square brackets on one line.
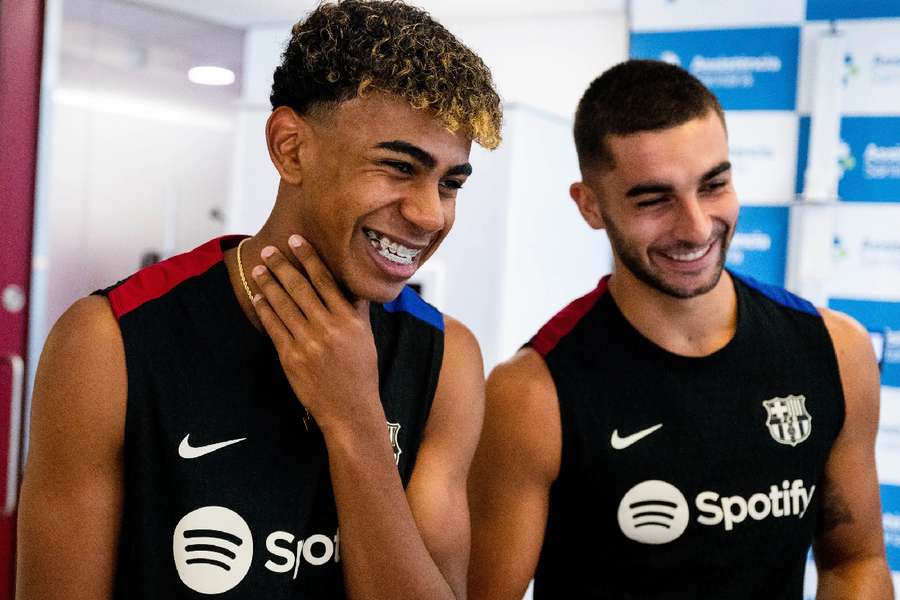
[(758, 56)]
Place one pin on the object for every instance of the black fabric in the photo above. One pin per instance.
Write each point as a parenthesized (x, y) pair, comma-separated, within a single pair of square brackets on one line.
[(714, 439), (196, 366)]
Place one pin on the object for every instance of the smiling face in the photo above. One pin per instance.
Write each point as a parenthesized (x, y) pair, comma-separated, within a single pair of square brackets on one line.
[(378, 191), (668, 206)]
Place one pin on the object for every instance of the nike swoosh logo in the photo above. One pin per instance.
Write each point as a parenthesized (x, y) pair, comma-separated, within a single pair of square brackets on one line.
[(185, 450), (620, 443)]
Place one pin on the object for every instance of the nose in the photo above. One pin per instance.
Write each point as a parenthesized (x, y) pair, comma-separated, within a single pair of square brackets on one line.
[(693, 225), (424, 209)]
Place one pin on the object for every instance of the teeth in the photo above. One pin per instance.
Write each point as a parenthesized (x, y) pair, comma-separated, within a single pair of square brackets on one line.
[(687, 257), (391, 250)]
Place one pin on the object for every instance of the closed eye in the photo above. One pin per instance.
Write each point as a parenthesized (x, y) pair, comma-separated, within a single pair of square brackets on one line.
[(452, 184), (651, 202), (398, 165), (712, 186)]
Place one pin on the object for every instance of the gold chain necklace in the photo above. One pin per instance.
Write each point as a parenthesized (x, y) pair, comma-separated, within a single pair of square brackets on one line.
[(306, 416), (241, 271)]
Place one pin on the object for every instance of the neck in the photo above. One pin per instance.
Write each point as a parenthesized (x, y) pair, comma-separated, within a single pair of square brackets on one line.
[(250, 258), (695, 326)]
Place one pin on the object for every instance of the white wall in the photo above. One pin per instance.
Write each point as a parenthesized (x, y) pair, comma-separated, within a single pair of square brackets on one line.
[(546, 61), (126, 177), (254, 180)]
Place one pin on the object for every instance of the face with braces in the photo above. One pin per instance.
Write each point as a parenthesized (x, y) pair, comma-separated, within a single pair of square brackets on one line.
[(380, 192), (395, 252)]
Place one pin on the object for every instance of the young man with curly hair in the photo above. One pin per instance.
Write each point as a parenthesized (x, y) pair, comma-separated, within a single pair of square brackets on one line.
[(695, 430), (278, 416)]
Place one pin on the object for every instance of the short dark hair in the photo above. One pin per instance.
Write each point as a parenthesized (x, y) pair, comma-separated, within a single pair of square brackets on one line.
[(635, 96), (346, 49)]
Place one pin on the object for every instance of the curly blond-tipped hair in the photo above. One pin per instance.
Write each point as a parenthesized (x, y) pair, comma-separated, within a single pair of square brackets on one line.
[(346, 49)]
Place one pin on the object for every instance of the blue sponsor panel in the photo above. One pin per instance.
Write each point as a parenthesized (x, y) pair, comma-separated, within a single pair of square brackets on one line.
[(747, 69), (890, 508), (882, 319), (759, 245), (870, 159), (818, 10)]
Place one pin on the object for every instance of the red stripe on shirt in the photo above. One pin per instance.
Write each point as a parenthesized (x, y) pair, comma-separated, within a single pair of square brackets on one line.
[(156, 280), (565, 320)]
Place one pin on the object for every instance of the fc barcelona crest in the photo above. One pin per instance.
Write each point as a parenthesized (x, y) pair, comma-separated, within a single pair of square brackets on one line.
[(394, 432), (787, 419)]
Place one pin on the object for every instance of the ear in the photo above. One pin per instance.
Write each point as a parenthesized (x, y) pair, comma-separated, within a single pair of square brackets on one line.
[(288, 136), (588, 204)]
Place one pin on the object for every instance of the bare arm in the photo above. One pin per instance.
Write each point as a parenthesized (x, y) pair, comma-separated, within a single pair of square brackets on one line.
[(516, 462), (849, 546), (393, 544), (72, 490)]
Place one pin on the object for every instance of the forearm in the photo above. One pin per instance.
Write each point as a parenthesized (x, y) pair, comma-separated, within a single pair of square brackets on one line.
[(863, 578), (382, 551)]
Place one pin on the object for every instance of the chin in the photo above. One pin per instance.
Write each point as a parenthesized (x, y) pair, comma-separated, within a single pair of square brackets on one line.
[(380, 293), (685, 291)]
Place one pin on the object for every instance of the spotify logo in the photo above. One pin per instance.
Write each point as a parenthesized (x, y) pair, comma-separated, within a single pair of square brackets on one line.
[(213, 549), (653, 512)]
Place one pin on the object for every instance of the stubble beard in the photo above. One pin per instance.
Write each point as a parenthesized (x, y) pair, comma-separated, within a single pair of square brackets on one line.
[(631, 259)]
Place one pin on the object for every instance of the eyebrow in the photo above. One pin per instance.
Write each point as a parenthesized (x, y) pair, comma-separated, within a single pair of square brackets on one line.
[(661, 188), (422, 156)]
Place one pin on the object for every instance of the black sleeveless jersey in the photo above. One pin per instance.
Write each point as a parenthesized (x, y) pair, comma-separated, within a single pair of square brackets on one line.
[(227, 494), (688, 477)]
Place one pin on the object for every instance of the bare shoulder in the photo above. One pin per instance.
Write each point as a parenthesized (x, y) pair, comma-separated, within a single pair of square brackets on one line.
[(81, 380), (523, 411), (87, 321), (527, 374), (855, 356), (459, 339), (847, 334)]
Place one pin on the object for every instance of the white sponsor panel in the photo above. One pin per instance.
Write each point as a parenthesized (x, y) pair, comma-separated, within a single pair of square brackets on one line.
[(866, 261), (871, 77), (762, 146), (662, 15)]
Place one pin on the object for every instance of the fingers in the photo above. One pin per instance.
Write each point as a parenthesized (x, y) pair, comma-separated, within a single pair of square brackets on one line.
[(273, 325), (278, 301), (317, 273), (294, 287)]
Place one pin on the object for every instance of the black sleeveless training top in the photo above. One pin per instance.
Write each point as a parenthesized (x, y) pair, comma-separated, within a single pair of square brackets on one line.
[(688, 477), (227, 495)]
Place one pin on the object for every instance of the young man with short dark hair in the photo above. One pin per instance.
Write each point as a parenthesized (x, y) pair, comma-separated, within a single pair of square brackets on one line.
[(681, 431), (278, 416)]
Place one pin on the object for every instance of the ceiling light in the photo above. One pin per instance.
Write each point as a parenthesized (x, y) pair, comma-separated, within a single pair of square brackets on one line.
[(211, 75)]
